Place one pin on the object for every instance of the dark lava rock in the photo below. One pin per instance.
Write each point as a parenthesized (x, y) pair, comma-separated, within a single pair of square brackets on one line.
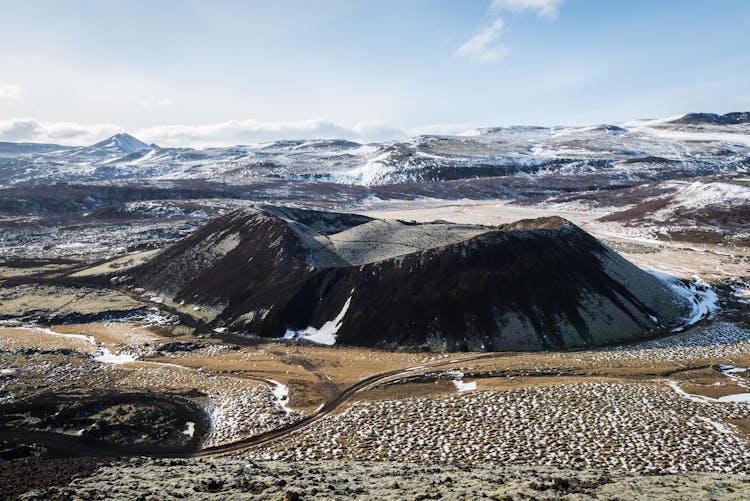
[(292, 496), (21, 475), (101, 424), (177, 346), (210, 485), (530, 285)]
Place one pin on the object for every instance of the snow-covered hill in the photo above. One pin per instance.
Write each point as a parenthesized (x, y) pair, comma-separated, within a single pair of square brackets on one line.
[(119, 144), (687, 146), (20, 149)]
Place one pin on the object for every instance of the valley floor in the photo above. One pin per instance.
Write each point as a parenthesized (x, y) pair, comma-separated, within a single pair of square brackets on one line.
[(662, 419)]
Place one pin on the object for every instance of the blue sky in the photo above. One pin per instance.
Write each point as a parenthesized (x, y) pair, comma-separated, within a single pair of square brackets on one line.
[(225, 72)]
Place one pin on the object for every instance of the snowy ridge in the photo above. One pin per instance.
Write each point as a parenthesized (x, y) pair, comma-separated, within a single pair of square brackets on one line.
[(639, 148), (699, 194), (120, 143)]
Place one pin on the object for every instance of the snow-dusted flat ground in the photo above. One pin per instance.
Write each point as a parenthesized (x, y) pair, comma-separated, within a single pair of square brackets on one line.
[(632, 412), (623, 426)]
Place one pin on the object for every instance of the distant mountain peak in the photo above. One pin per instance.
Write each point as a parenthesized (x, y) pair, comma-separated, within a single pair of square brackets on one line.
[(123, 142), (734, 118)]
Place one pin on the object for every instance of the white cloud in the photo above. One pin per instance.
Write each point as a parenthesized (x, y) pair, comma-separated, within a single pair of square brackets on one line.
[(377, 131), (547, 8), (9, 91), (255, 131), (217, 134), (157, 103), (447, 129), (483, 46), (228, 133), (32, 130)]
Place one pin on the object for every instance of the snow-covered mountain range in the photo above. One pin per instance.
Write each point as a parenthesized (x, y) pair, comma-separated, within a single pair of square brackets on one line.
[(685, 146)]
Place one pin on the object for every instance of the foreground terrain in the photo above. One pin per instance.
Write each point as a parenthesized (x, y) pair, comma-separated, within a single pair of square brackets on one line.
[(343, 480), (95, 370), (670, 405)]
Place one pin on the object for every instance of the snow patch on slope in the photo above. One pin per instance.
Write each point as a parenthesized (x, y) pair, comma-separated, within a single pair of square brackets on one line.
[(326, 334), (697, 195), (370, 173), (700, 297)]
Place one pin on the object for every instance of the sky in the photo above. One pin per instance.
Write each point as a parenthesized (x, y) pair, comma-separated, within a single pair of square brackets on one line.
[(199, 73)]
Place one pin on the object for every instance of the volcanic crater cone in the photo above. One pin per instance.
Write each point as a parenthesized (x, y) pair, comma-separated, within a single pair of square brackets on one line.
[(350, 279)]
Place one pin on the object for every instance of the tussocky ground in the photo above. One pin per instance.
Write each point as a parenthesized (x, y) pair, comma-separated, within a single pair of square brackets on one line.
[(669, 418), (343, 480)]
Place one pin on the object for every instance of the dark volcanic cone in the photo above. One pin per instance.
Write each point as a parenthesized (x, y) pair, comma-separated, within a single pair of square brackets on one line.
[(329, 277)]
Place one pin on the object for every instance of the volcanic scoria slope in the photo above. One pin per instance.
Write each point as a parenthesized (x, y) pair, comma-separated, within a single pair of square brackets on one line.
[(350, 279)]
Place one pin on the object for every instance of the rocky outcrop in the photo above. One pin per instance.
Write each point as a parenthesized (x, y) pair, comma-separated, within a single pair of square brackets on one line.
[(344, 278)]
